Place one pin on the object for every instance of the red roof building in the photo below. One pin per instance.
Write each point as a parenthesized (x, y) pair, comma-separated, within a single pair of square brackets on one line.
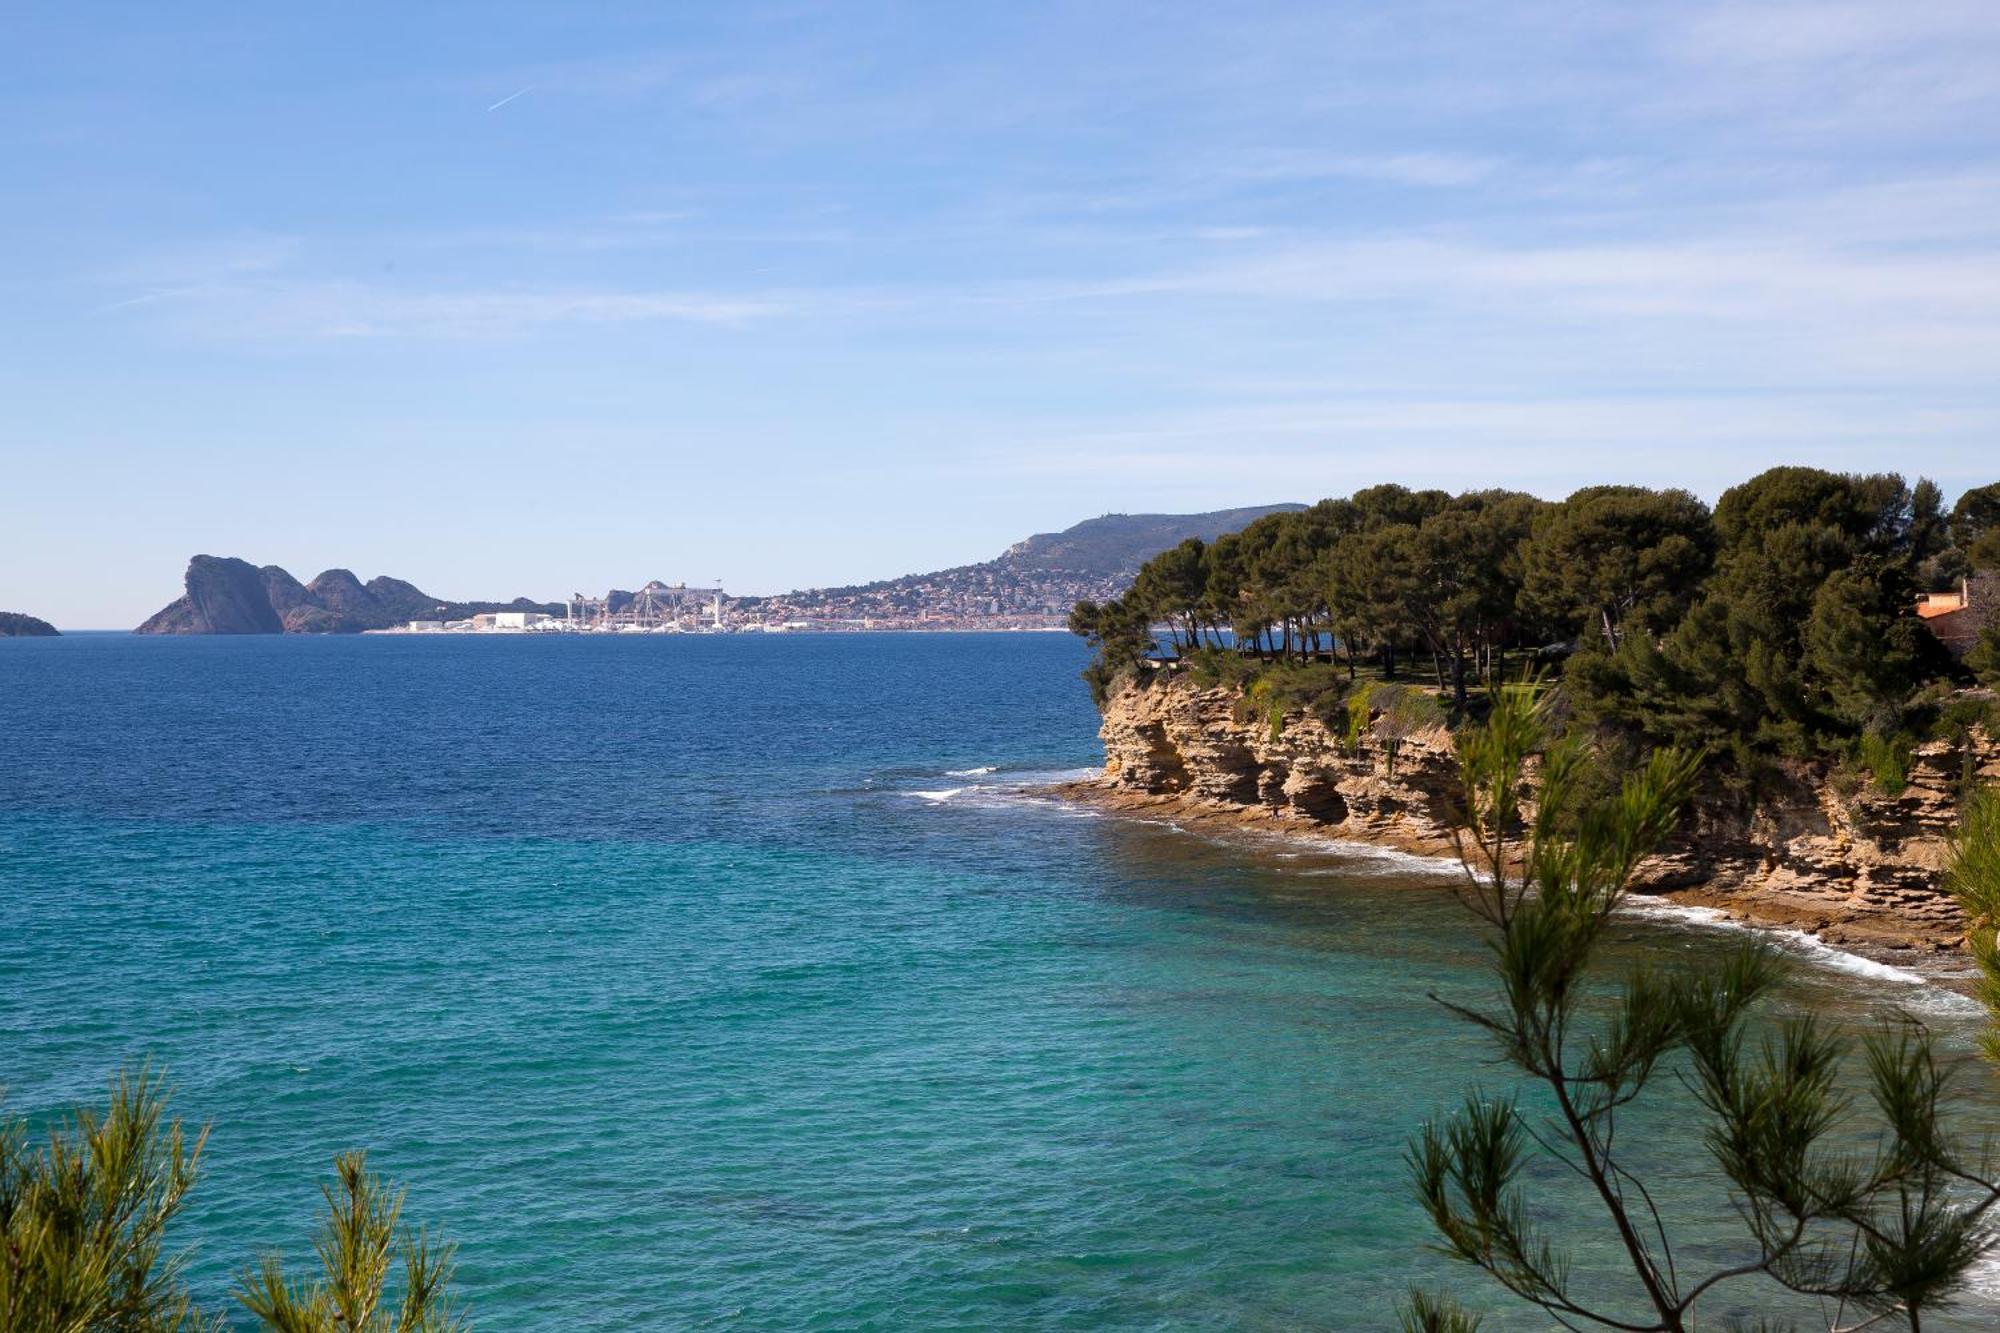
[(1957, 617)]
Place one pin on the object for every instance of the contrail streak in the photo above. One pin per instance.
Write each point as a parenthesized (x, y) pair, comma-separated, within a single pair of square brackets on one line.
[(508, 98)]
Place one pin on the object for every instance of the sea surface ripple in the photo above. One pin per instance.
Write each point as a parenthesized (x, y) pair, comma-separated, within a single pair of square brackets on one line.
[(739, 982)]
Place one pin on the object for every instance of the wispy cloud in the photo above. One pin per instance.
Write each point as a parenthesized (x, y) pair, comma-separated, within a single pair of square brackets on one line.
[(313, 309), (1331, 446)]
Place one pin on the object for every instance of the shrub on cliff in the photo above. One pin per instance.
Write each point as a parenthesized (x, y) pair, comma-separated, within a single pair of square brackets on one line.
[(1120, 633), (1315, 688), (1390, 713), (84, 1217), (1220, 668), (1888, 1232), (1973, 876), (1984, 659), (1887, 759)]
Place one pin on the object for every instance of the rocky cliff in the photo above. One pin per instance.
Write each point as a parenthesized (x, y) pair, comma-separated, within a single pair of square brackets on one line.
[(230, 596), (1858, 867)]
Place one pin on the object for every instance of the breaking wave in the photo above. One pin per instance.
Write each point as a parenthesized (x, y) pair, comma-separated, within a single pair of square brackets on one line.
[(1812, 949)]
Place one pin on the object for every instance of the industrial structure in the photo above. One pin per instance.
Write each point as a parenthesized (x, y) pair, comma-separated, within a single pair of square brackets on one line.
[(657, 608)]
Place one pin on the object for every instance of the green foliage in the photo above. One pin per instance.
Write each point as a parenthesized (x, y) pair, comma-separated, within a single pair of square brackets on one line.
[(1173, 588), (1120, 632), (1224, 667), (1609, 555), (1888, 1231), (1950, 715), (1887, 760), (1360, 711), (83, 1223), (1782, 625), (1973, 877), (1804, 636), (1435, 1312), (1390, 713), (1315, 688), (1102, 678), (1975, 526), (355, 1246), (83, 1219), (1863, 643), (1984, 659)]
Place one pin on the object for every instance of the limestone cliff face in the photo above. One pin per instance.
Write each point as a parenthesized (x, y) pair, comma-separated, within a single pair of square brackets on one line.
[(1171, 738), (1857, 867)]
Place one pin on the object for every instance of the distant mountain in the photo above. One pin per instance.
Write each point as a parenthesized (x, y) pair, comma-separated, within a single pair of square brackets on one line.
[(15, 625), (230, 596), (1032, 584), (1113, 546)]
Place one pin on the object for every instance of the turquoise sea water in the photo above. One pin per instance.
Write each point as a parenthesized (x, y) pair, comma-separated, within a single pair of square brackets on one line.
[(734, 982)]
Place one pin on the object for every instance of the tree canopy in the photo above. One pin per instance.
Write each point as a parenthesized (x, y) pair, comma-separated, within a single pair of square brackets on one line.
[(1781, 622)]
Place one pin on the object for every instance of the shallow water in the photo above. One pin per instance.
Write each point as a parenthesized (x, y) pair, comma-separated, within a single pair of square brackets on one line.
[(735, 981)]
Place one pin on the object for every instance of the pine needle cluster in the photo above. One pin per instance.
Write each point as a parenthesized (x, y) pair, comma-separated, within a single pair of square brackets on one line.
[(84, 1216), (1884, 1234)]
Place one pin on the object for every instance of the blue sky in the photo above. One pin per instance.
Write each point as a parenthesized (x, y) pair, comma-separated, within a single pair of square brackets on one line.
[(797, 293)]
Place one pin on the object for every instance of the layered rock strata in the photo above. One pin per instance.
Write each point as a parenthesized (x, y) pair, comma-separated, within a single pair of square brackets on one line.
[(1857, 867)]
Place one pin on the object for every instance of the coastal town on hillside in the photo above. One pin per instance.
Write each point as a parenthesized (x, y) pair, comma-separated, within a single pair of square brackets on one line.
[(1030, 586), (976, 597)]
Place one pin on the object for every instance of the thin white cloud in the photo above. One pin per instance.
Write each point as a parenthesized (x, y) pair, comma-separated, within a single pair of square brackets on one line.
[(331, 309), (1331, 446), (1815, 32), (1429, 169)]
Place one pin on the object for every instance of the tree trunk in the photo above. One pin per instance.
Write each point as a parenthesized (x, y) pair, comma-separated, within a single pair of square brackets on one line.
[(1458, 673)]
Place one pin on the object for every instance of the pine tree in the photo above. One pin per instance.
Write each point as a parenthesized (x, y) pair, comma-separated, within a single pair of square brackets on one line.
[(1889, 1234), (83, 1222)]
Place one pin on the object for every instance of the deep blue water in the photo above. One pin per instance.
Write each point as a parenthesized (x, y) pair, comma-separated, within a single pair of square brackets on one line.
[(695, 982)]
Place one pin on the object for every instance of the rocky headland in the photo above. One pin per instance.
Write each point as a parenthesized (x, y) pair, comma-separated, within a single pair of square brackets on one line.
[(229, 596), (15, 625), (1856, 866)]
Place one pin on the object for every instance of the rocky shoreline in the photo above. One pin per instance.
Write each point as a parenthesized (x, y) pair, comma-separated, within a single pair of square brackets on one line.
[(1855, 867)]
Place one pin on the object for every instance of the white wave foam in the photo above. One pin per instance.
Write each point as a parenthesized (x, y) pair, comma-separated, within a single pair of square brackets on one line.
[(1813, 950), (972, 772), (1051, 776), (1984, 1278), (945, 794), (1397, 860), (1798, 940)]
